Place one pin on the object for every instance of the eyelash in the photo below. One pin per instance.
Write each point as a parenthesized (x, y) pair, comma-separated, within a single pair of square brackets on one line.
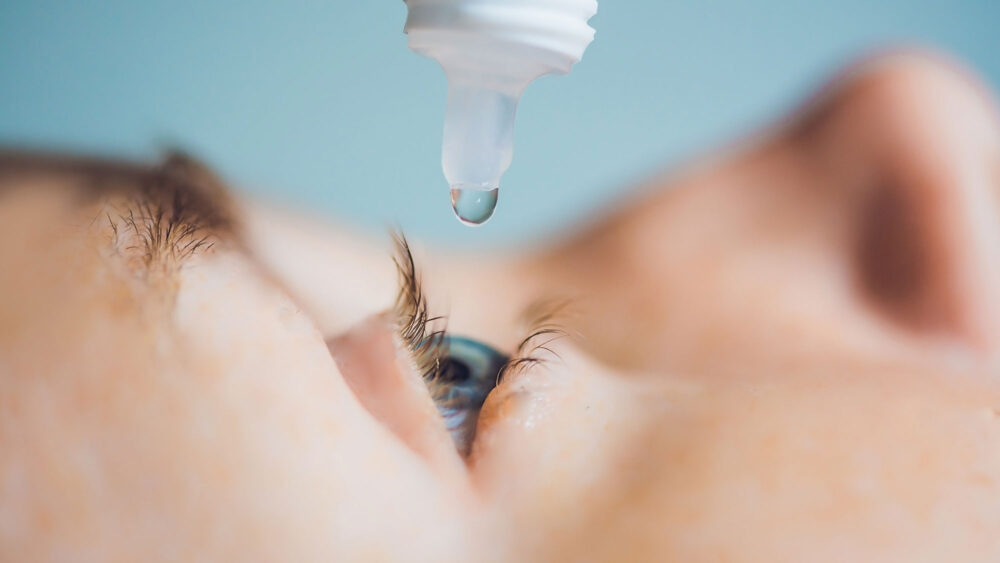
[(542, 318), (424, 334)]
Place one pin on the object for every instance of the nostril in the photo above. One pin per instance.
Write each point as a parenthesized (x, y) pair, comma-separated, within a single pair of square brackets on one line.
[(925, 256), (892, 258), (905, 265)]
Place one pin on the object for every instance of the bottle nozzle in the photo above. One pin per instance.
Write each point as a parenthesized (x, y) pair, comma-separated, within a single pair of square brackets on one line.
[(478, 146), (491, 50)]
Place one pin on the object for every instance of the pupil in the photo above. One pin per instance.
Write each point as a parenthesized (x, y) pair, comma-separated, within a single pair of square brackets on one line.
[(455, 371)]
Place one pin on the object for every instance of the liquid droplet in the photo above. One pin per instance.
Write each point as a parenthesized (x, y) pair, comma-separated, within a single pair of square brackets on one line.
[(474, 206)]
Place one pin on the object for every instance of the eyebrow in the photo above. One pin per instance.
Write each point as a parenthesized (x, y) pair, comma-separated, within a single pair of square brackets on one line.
[(168, 211)]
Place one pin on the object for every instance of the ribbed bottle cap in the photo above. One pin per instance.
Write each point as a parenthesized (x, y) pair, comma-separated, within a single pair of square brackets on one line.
[(556, 30)]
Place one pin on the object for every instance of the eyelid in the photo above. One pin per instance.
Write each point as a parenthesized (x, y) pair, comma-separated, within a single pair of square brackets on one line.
[(430, 348)]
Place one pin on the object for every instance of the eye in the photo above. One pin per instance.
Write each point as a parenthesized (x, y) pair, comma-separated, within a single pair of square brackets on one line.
[(468, 372), (459, 372)]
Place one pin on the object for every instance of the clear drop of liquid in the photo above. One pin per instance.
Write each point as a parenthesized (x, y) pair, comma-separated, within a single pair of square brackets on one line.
[(474, 206)]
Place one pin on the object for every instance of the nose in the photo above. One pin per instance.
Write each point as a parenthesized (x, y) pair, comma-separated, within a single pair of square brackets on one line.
[(917, 138)]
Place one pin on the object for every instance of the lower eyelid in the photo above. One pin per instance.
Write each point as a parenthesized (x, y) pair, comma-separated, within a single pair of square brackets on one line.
[(530, 395), (524, 401)]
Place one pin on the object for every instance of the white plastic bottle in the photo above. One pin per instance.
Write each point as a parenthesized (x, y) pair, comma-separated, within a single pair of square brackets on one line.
[(490, 51)]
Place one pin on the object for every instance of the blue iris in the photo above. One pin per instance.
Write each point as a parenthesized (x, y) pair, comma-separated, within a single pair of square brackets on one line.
[(468, 373)]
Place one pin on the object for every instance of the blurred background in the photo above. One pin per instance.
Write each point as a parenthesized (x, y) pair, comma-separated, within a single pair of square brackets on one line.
[(320, 104)]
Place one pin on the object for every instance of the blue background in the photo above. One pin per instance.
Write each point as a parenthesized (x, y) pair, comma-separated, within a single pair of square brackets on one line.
[(320, 104)]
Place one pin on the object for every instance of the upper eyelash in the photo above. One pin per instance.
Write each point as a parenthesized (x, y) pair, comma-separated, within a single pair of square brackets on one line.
[(428, 347), (414, 323)]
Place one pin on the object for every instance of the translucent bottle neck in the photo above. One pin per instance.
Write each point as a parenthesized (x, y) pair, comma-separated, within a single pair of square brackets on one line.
[(478, 141)]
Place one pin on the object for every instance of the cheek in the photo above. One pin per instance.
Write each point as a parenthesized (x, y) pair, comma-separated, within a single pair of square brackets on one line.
[(766, 468), (550, 449)]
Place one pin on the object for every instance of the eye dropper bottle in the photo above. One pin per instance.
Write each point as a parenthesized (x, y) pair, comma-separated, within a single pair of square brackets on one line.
[(490, 51)]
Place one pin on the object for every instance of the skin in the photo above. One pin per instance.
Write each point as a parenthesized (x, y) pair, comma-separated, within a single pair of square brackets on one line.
[(786, 351)]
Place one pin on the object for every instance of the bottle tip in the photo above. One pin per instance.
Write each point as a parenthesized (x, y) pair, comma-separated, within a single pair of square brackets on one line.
[(473, 206)]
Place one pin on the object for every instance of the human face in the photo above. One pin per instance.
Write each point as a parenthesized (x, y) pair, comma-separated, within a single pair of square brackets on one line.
[(786, 351)]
